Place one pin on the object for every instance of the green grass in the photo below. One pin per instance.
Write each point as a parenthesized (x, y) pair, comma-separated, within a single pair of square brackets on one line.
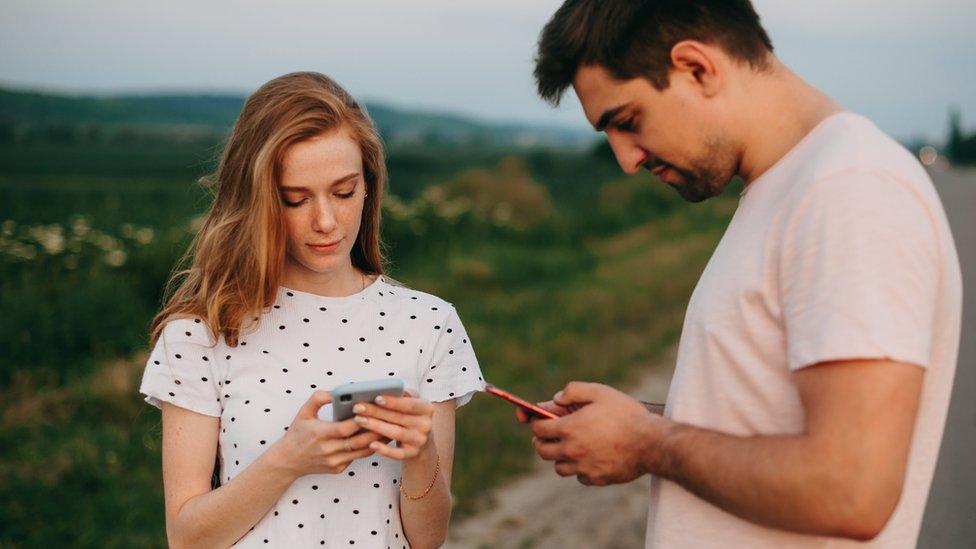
[(596, 292)]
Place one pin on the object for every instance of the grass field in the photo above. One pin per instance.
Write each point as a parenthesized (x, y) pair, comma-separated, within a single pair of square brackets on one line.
[(594, 289)]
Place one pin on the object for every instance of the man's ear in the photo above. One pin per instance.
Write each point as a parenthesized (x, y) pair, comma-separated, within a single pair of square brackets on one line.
[(700, 64)]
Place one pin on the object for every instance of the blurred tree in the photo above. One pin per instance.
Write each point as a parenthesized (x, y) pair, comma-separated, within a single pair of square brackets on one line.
[(960, 148), (505, 196), (955, 133)]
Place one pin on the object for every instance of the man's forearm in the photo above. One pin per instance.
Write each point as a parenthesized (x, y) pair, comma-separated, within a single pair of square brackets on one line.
[(786, 482)]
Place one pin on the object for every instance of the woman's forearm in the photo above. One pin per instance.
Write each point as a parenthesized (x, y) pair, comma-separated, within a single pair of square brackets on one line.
[(425, 520), (221, 517)]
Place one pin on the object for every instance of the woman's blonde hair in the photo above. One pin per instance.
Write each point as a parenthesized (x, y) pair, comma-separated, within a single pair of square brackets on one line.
[(235, 261)]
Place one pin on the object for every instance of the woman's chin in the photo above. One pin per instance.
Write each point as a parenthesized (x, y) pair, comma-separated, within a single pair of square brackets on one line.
[(323, 264)]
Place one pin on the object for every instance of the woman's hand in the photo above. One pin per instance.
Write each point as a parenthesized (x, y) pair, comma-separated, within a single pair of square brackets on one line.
[(407, 420), (314, 446)]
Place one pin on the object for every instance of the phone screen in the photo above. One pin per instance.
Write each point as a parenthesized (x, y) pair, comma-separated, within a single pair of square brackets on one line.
[(530, 408)]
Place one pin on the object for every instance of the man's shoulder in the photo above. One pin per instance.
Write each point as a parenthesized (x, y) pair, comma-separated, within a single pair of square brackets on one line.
[(855, 144), (855, 159)]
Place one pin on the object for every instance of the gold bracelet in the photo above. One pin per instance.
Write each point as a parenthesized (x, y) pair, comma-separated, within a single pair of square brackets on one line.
[(437, 469)]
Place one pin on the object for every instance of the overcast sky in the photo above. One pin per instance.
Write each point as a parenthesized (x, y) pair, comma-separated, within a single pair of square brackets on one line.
[(902, 63)]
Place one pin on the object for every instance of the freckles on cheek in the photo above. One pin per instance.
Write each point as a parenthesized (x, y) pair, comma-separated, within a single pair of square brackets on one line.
[(292, 225)]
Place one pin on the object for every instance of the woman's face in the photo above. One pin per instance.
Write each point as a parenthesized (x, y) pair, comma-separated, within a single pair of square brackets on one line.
[(322, 191)]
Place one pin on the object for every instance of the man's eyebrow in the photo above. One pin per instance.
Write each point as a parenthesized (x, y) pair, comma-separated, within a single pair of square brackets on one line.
[(607, 116), (342, 179)]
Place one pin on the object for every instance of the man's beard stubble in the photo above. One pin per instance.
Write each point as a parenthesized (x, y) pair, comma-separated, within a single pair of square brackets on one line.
[(711, 173)]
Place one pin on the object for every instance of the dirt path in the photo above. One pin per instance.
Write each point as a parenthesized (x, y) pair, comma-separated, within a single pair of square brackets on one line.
[(544, 510)]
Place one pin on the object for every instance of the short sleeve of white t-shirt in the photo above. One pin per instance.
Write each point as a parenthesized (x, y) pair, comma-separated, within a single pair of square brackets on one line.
[(180, 369)]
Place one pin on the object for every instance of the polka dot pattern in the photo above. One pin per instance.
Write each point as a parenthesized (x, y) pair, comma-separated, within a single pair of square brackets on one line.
[(303, 342)]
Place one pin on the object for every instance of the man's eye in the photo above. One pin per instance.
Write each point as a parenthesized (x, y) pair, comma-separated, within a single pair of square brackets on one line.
[(627, 125)]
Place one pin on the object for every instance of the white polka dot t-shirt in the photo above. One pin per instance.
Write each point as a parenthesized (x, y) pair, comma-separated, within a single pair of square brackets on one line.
[(303, 343)]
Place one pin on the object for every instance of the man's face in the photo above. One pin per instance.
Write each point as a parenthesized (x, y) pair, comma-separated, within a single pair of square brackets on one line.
[(674, 133)]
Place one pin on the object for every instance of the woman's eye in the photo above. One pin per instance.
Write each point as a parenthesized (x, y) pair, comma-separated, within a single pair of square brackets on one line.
[(346, 195), (293, 204)]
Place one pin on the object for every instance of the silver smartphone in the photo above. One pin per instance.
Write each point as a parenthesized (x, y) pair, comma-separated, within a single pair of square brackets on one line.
[(345, 396)]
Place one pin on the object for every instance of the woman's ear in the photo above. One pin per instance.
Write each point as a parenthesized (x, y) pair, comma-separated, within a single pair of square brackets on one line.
[(699, 64)]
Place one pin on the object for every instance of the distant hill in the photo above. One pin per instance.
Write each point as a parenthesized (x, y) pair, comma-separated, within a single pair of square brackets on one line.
[(24, 111)]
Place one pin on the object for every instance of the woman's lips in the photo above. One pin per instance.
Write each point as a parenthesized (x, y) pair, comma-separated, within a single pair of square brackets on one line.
[(324, 248)]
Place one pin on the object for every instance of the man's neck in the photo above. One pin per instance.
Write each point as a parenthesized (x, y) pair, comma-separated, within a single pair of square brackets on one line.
[(781, 110)]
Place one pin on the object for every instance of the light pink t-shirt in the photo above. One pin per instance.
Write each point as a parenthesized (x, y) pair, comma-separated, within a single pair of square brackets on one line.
[(839, 251)]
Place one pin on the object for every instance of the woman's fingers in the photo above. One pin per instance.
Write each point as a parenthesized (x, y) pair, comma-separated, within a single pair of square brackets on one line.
[(419, 422), (392, 431), (399, 452), (310, 409), (358, 442), (405, 404), (339, 429), (337, 463)]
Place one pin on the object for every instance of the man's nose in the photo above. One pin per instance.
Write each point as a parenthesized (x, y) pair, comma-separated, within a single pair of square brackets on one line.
[(629, 155)]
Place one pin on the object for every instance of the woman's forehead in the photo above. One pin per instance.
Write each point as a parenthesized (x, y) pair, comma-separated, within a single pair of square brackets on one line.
[(323, 160)]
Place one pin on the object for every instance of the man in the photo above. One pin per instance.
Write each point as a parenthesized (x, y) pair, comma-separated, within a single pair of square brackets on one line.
[(818, 350)]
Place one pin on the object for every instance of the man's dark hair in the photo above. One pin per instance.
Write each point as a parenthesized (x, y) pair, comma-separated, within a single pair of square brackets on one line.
[(634, 38)]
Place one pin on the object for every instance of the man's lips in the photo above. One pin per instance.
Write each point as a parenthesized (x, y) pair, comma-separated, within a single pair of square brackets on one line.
[(657, 167)]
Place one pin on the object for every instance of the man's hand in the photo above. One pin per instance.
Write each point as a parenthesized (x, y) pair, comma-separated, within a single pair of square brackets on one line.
[(550, 406), (608, 439)]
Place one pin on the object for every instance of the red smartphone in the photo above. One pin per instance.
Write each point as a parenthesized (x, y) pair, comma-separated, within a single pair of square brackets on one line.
[(525, 405)]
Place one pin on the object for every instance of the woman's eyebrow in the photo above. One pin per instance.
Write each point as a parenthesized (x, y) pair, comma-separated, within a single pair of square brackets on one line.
[(345, 178), (342, 179)]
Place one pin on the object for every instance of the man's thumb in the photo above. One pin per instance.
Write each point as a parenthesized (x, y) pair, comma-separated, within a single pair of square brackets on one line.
[(577, 392)]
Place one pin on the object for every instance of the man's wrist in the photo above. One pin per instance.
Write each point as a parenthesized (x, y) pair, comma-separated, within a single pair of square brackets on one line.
[(654, 408), (660, 435)]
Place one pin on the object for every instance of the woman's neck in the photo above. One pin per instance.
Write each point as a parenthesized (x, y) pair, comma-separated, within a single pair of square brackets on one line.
[(340, 282)]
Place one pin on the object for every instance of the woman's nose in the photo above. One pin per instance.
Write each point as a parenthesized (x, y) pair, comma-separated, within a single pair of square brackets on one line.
[(324, 219)]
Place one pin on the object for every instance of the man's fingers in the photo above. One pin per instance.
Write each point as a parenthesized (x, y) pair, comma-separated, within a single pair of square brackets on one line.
[(578, 392), (547, 428), (565, 468), (548, 450), (555, 408)]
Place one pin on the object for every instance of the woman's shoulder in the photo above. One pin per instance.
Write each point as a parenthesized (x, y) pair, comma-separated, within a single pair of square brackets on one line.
[(396, 290), (187, 329)]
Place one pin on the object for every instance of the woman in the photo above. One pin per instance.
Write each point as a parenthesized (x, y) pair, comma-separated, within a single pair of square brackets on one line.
[(284, 299)]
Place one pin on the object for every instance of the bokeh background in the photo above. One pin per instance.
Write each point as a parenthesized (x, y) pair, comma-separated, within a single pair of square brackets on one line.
[(561, 267)]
